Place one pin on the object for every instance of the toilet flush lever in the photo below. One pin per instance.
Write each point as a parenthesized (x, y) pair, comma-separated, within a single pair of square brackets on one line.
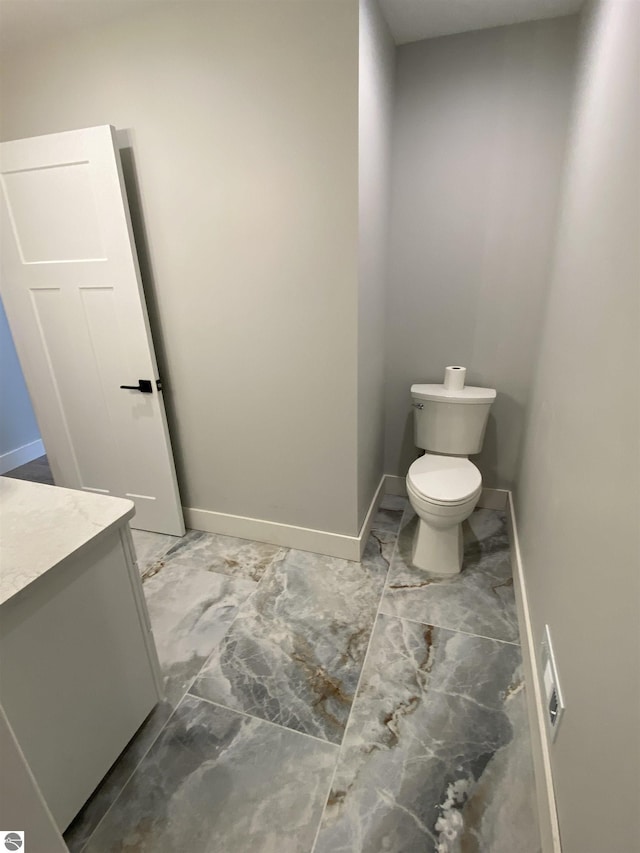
[(418, 405)]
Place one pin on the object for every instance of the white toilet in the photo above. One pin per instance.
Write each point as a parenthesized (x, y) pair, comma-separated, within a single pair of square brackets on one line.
[(443, 485)]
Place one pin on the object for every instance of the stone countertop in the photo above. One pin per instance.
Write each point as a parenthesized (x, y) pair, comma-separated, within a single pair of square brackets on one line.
[(41, 526)]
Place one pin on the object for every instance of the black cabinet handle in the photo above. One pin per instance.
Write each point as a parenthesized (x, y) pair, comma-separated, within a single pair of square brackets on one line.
[(144, 385)]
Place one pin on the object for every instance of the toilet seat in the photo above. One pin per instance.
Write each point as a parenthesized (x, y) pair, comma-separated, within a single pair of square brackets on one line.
[(443, 480)]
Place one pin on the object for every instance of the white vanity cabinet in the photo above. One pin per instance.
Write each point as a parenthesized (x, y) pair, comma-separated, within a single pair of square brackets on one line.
[(78, 666)]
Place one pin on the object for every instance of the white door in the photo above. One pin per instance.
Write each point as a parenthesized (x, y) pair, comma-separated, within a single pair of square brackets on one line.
[(73, 295)]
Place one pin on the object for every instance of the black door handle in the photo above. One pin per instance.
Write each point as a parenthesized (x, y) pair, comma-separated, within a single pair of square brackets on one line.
[(144, 385)]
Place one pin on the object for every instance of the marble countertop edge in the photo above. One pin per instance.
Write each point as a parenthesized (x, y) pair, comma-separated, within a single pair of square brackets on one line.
[(42, 526)]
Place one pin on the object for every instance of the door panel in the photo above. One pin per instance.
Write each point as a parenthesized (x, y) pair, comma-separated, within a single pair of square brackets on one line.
[(73, 295), (54, 215)]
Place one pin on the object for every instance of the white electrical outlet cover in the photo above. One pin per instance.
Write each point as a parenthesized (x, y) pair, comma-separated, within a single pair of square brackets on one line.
[(551, 683)]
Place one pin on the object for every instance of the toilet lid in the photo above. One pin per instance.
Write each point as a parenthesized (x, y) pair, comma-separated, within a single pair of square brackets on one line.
[(444, 479)]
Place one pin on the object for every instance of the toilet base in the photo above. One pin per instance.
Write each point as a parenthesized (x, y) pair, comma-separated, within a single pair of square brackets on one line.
[(436, 550)]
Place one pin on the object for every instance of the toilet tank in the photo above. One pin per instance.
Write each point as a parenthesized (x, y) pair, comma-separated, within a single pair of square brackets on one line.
[(450, 422)]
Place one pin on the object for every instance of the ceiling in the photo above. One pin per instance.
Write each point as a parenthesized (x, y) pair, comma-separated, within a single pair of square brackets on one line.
[(412, 20), (25, 21)]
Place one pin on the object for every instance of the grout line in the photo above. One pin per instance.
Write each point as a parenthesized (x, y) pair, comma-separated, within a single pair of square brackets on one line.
[(355, 693), (130, 777), (168, 720), (249, 596), (330, 786), (253, 592), (446, 628), (379, 613), (336, 746), (271, 722), (261, 720), (433, 624), (252, 716)]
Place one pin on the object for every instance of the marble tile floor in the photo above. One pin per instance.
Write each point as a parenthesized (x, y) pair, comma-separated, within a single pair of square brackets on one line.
[(316, 704)]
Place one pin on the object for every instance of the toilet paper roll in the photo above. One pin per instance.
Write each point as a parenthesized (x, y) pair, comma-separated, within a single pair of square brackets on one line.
[(454, 378)]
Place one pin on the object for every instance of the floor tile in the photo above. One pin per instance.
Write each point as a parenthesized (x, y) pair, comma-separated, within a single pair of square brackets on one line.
[(480, 600), (150, 547), (103, 797), (295, 651), (216, 780), (226, 555), (394, 502), (190, 611), (389, 514), (436, 757)]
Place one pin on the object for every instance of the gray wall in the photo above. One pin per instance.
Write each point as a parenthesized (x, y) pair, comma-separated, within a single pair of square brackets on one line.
[(242, 120), (17, 421), (578, 493), (480, 131), (375, 107)]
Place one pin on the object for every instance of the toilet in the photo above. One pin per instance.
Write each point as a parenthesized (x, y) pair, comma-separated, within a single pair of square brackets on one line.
[(443, 485)]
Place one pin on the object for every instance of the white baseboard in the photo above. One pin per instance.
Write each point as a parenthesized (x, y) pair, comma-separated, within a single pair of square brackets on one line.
[(286, 535), (547, 811), (351, 548), (21, 455), (308, 539)]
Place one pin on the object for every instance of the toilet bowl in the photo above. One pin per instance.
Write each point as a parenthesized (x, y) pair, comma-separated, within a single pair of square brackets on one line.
[(443, 491), (443, 485)]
